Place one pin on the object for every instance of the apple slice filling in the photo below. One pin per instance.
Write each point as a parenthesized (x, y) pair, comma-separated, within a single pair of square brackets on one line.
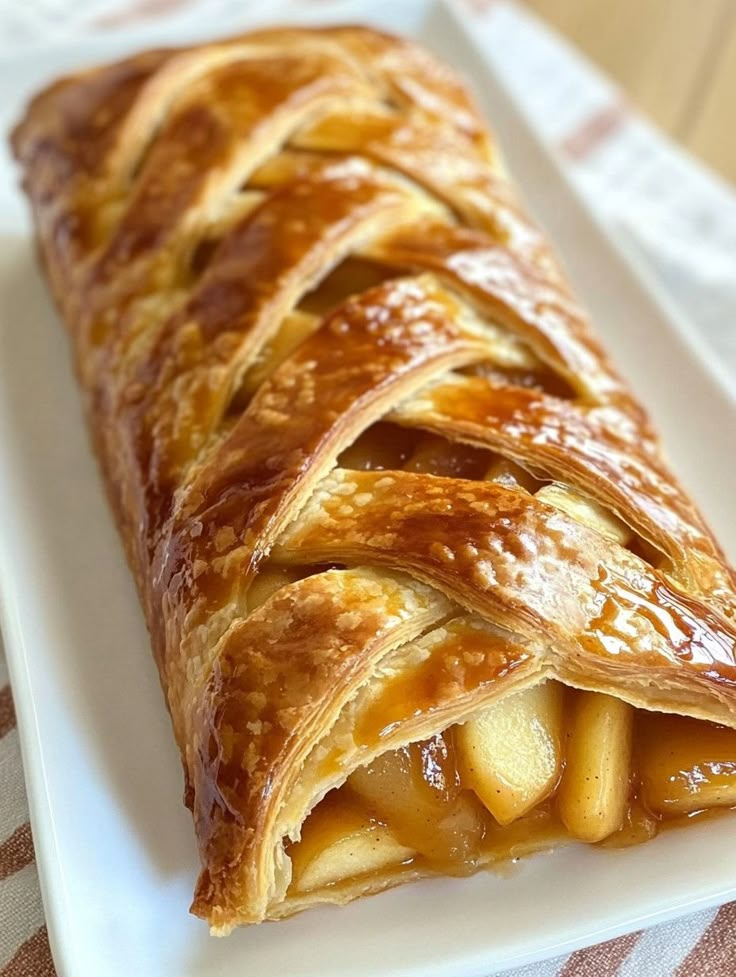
[(538, 766), (511, 754)]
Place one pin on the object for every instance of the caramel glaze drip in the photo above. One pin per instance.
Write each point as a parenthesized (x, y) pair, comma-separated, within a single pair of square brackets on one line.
[(466, 660)]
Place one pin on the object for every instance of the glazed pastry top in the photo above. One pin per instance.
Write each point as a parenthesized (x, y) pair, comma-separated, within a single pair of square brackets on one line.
[(265, 247)]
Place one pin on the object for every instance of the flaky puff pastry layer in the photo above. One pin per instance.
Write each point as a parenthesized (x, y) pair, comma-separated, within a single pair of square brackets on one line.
[(187, 204)]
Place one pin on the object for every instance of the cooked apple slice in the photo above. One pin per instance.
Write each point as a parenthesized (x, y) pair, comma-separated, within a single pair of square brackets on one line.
[(685, 765), (510, 754), (508, 473), (341, 841), (293, 331), (267, 582), (585, 511), (438, 456), (416, 791), (639, 825), (594, 791), (381, 447)]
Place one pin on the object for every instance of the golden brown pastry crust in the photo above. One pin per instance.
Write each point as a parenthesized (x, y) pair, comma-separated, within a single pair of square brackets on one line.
[(186, 202)]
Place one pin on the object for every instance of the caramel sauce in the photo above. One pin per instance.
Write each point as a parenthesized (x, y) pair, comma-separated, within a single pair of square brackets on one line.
[(691, 630), (639, 825), (540, 828), (466, 660)]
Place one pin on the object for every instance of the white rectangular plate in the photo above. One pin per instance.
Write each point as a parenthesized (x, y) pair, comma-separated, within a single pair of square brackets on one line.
[(115, 846)]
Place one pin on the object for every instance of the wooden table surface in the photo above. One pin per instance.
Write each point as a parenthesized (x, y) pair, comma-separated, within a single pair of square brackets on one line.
[(676, 60)]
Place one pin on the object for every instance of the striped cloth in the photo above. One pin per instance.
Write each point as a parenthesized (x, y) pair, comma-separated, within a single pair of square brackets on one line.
[(24, 947), (670, 212)]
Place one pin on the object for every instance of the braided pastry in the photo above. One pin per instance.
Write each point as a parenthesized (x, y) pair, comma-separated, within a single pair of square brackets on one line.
[(420, 587)]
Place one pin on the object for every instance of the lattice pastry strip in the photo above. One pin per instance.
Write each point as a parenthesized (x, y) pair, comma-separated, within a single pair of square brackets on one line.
[(404, 539)]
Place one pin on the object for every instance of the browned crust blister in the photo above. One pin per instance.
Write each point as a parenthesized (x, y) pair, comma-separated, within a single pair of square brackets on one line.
[(186, 201)]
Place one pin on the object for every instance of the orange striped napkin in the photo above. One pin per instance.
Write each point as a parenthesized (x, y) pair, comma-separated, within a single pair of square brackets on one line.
[(24, 945)]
